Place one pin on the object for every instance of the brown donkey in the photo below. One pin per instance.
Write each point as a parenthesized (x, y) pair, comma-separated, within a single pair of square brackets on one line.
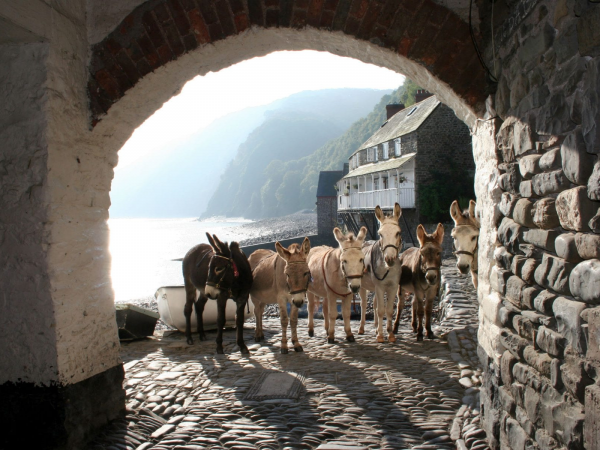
[(421, 277), (466, 239), (281, 278), (336, 273), (219, 272)]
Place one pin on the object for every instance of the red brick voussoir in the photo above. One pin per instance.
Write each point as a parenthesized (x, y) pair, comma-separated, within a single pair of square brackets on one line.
[(160, 31)]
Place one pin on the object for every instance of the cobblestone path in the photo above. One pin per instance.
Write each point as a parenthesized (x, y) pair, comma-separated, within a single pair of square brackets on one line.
[(406, 395)]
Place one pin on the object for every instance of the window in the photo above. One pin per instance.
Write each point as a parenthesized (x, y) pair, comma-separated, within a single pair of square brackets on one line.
[(376, 184), (386, 150), (376, 153), (398, 146), (372, 154), (412, 111)]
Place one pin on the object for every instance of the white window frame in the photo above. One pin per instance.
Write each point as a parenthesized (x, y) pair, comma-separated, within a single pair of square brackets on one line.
[(386, 150), (376, 184), (398, 146)]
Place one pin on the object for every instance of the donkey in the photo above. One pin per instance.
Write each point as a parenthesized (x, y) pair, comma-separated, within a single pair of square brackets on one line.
[(218, 271), (281, 278), (421, 277), (466, 239), (336, 273), (383, 272)]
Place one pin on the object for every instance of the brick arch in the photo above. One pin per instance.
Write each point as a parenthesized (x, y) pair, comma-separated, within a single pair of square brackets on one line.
[(158, 32)]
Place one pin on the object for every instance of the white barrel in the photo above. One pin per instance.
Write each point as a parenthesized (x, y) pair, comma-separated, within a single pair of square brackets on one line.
[(171, 301)]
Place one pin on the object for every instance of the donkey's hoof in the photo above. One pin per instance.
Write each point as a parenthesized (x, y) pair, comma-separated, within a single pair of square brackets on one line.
[(220, 351), (391, 338), (190, 341), (284, 351), (350, 338), (258, 338), (380, 339), (311, 333), (419, 337), (244, 350), (361, 331), (330, 340), (431, 335), (299, 349), (395, 330)]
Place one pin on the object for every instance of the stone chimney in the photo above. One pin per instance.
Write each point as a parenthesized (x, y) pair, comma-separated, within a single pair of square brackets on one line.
[(421, 95), (393, 108)]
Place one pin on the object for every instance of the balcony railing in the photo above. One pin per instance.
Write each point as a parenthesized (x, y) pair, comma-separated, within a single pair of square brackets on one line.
[(386, 198)]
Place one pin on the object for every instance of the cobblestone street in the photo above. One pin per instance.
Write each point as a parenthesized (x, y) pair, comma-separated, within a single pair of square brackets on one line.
[(406, 395)]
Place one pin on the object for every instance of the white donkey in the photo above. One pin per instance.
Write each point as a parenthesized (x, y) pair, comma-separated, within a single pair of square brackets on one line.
[(466, 238), (281, 278), (337, 273), (383, 272)]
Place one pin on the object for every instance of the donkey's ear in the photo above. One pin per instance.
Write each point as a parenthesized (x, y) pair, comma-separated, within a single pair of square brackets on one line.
[(455, 212), (472, 206), (339, 236), (379, 213), (212, 243), (439, 234), (421, 235), (362, 234), (284, 253), (397, 211), (306, 246)]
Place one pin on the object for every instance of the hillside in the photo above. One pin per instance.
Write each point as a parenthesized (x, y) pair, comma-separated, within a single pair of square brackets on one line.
[(270, 183), (179, 180)]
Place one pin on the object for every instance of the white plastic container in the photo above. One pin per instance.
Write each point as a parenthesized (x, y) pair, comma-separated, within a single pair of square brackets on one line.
[(171, 301)]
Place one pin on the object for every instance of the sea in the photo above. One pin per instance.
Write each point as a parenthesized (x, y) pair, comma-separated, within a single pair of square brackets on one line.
[(144, 252)]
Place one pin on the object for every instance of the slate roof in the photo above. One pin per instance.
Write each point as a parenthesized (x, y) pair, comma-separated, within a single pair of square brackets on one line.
[(402, 122), (380, 166), (327, 181)]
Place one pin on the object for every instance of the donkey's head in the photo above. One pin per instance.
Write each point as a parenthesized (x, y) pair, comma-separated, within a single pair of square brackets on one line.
[(352, 259), (390, 237), (431, 252), (465, 235), (221, 269), (297, 274)]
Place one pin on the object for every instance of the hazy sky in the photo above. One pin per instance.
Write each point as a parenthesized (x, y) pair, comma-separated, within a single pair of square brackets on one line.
[(258, 81)]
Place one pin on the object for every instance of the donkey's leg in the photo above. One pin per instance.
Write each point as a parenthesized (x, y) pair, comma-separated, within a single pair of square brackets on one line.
[(283, 317), (331, 317), (363, 310), (474, 279), (199, 307), (311, 313), (294, 324), (399, 309), (190, 300), (379, 312), (240, 304), (428, 313), (420, 313), (325, 303), (389, 313), (346, 311), (221, 304), (414, 309)]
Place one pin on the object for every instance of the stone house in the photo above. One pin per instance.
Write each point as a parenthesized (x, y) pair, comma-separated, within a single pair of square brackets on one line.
[(399, 161)]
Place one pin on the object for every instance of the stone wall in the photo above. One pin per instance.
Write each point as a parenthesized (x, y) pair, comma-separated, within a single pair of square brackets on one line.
[(326, 215), (443, 145), (539, 322)]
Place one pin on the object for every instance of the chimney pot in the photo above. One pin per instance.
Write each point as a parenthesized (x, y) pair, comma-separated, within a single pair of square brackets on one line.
[(421, 95)]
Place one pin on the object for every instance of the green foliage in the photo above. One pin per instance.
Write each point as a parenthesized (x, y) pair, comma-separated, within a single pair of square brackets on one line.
[(436, 197)]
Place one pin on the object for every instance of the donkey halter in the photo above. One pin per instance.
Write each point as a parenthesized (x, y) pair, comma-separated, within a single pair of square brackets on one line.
[(350, 277), (219, 283), (299, 291), (464, 252)]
